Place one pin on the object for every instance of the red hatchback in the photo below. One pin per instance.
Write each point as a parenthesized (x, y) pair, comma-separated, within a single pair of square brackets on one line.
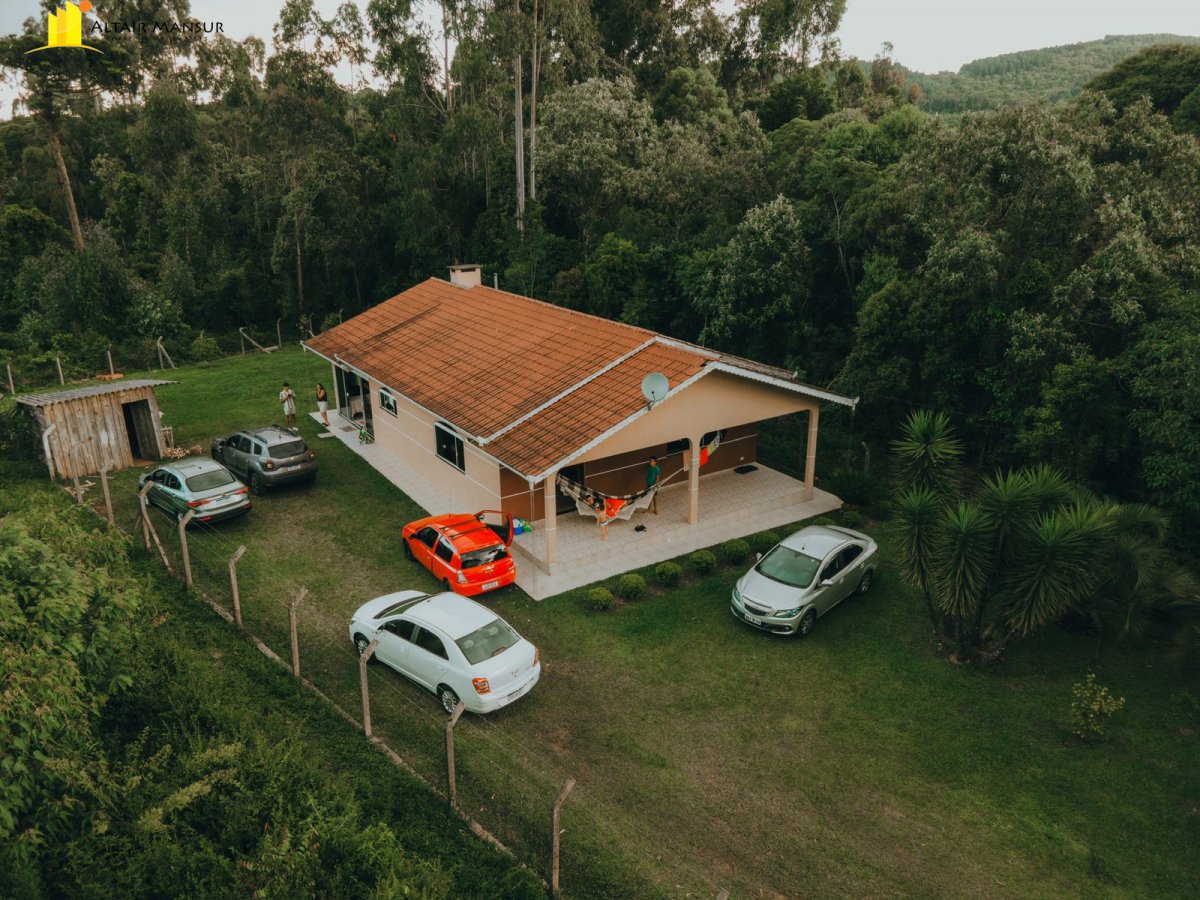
[(468, 554)]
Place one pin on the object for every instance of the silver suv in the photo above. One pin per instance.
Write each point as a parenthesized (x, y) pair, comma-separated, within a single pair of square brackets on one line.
[(266, 457)]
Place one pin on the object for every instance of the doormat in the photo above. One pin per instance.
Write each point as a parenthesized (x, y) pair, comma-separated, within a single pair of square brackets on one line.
[(349, 428), (745, 470)]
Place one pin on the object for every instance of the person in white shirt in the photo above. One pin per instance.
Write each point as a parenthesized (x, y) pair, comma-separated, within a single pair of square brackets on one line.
[(288, 398)]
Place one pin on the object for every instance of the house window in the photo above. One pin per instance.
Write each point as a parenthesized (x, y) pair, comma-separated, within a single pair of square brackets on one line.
[(388, 402), (449, 446)]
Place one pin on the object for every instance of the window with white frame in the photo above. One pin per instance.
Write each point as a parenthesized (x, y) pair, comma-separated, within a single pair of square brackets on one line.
[(449, 446)]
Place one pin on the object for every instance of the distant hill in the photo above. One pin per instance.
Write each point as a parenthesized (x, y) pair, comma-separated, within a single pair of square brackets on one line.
[(1054, 73)]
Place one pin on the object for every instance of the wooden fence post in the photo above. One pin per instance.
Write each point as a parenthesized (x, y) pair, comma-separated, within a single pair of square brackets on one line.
[(237, 604), (723, 895), (111, 369), (12, 389), (145, 515), (568, 785), (292, 628), (450, 723), (242, 341), (362, 676), (278, 334), (107, 496), (183, 542), (58, 365)]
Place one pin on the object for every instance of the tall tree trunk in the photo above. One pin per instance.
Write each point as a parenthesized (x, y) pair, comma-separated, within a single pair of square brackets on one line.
[(299, 260), (533, 89), (68, 195), (446, 60), (519, 129)]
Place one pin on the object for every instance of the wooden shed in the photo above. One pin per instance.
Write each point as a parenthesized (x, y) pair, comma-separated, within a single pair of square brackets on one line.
[(84, 428)]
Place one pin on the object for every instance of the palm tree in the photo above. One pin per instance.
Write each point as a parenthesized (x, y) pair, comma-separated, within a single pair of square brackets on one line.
[(918, 510), (927, 454), (964, 568)]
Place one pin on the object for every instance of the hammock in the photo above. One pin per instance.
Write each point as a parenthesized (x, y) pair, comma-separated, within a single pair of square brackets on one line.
[(621, 506)]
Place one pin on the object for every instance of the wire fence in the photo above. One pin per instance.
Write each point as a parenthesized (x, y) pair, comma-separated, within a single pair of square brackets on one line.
[(505, 792)]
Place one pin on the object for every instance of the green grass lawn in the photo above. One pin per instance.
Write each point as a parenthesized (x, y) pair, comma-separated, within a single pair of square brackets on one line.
[(709, 755)]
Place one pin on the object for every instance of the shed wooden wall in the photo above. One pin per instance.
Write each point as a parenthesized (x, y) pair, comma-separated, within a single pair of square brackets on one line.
[(91, 432)]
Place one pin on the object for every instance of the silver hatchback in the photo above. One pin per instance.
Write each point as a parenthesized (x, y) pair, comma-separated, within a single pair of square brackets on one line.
[(803, 577)]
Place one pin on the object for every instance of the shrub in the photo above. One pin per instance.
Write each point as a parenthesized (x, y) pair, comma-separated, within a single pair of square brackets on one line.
[(852, 518), (668, 574), (702, 562), (631, 586), (205, 348), (599, 599), (857, 487), (822, 520), (1091, 707), (763, 541), (735, 551)]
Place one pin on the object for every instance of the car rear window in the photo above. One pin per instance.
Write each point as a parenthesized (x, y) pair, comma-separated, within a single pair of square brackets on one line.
[(484, 556), (206, 481), (789, 566), (291, 448), (490, 640)]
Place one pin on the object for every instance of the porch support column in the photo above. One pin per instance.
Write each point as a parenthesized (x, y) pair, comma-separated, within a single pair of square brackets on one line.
[(810, 452), (694, 482), (550, 518)]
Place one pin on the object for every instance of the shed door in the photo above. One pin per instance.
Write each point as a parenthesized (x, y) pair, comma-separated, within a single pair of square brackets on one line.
[(142, 429)]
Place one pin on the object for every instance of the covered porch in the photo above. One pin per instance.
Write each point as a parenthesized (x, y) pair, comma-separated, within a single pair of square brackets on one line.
[(733, 505)]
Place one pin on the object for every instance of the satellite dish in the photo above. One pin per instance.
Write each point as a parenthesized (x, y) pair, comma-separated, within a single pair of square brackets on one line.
[(655, 387)]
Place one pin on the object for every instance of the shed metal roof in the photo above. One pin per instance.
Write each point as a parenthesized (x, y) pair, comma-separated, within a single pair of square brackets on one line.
[(94, 390)]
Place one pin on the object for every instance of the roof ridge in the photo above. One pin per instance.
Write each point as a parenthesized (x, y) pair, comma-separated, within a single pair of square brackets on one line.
[(562, 309)]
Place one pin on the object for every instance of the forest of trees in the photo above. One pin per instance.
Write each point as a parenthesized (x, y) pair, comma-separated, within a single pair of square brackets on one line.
[(1033, 270)]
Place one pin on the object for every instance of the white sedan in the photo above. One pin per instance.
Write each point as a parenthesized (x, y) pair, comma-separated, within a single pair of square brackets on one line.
[(452, 646)]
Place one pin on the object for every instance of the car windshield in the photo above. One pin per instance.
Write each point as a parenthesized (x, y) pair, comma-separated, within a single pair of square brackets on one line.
[(484, 556), (206, 481), (789, 566), (291, 448), (490, 640)]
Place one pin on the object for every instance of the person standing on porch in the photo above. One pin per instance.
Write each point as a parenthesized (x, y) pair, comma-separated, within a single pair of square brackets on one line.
[(653, 473), (288, 398), (323, 403)]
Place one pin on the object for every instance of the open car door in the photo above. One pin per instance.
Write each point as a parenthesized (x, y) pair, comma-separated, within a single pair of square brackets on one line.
[(498, 521)]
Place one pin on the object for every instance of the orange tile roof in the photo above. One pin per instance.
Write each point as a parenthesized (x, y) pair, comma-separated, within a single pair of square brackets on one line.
[(530, 381)]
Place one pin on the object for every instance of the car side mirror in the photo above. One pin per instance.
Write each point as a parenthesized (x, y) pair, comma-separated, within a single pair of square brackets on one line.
[(826, 583), (757, 557)]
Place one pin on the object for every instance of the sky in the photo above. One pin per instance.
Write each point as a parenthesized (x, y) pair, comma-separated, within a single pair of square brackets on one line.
[(928, 35)]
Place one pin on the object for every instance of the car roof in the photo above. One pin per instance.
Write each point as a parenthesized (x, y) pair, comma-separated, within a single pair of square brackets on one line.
[(465, 531), (454, 615), (273, 434), (190, 466), (818, 541)]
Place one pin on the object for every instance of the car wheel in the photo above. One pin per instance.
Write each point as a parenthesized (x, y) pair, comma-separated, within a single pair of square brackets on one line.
[(807, 621), (361, 644), (447, 698), (407, 549), (865, 584), (256, 483)]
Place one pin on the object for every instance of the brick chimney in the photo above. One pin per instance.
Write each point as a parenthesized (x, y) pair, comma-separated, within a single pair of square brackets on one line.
[(466, 276)]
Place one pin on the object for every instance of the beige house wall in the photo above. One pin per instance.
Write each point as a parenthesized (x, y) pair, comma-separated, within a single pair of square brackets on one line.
[(715, 401), (409, 436)]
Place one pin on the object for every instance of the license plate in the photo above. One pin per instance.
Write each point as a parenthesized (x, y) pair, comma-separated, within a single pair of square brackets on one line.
[(488, 585), (753, 620), (291, 468), (519, 692)]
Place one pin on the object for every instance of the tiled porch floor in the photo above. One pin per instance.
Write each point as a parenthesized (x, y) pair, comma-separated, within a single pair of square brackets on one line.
[(731, 505)]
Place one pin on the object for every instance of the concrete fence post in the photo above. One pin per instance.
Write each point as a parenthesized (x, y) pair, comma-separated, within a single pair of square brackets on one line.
[(111, 369), (12, 388), (556, 833), (237, 604), (362, 677), (292, 629), (145, 514), (58, 365), (183, 543), (452, 784)]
